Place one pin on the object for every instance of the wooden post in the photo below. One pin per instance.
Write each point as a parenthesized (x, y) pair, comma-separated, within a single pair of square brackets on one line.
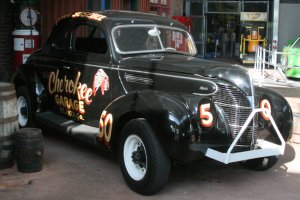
[(6, 40)]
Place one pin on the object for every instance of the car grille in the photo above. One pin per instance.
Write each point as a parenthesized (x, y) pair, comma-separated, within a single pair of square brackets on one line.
[(237, 109)]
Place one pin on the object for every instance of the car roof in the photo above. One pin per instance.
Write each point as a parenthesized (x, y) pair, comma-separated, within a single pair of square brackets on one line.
[(124, 17)]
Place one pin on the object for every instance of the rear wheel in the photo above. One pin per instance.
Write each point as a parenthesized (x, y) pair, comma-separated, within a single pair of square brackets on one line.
[(144, 164), (24, 107), (260, 164)]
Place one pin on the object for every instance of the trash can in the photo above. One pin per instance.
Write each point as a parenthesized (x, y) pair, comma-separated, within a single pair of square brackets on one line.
[(29, 150)]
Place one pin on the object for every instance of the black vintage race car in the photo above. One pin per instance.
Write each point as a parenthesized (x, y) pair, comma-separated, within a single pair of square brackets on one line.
[(131, 82)]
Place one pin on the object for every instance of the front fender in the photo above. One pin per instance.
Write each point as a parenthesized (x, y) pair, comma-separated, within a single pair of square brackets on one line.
[(281, 111), (166, 113)]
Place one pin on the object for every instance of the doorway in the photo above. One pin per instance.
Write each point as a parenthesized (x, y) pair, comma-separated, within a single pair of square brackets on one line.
[(222, 35), (215, 27), (195, 10)]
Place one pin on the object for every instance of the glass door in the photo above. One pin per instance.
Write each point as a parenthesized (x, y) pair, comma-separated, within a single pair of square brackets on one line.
[(196, 12)]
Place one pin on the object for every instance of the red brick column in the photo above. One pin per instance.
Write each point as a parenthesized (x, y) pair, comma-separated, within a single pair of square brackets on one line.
[(52, 10), (144, 6), (116, 4), (6, 41)]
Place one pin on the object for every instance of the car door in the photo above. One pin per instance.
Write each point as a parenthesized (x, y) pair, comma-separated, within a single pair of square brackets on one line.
[(88, 71), (50, 65)]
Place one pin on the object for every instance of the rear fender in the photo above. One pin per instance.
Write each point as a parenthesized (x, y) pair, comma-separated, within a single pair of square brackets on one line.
[(22, 77), (26, 76)]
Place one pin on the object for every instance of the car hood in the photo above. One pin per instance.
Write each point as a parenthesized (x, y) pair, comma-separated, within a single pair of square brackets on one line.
[(173, 63)]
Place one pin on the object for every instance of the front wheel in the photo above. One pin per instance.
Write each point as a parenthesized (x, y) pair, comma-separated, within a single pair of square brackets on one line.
[(144, 164), (261, 164)]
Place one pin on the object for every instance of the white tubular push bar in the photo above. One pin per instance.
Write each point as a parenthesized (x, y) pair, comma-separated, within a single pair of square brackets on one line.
[(265, 148)]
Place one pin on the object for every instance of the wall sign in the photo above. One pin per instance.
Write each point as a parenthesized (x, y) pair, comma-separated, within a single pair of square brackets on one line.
[(254, 16)]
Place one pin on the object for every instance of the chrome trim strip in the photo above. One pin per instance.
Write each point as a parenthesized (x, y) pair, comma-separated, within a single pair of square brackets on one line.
[(204, 76), (90, 65), (253, 107), (252, 91), (119, 76), (232, 106), (202, 94), (137, 79), (166, 75), (44, 58), (237, 126), (144, 72)]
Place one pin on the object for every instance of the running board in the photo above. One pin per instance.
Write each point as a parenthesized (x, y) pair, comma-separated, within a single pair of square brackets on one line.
[(61, 124), (263, 148)]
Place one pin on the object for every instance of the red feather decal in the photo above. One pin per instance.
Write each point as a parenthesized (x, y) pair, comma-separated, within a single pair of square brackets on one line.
[(101, 80)]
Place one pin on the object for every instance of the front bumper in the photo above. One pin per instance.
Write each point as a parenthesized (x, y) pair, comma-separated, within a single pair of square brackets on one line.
[(262, 148)]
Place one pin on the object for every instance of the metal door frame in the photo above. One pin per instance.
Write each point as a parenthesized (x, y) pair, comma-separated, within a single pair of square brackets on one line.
[(202, 42), (205, 11)]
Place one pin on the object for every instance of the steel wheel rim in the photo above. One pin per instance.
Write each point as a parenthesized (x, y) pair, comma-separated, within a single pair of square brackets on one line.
[(131, 145), (21, 103)]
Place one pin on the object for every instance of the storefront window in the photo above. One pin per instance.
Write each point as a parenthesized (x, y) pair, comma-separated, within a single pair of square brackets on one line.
[(129, 5), (255, 7), (222, 7), (99, 4), (107, 4), (196, 8), (160, 7)]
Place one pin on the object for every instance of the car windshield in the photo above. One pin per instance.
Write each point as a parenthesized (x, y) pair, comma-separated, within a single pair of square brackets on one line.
[(133, 39)]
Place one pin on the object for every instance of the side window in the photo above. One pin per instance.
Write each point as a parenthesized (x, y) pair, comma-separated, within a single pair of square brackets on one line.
[(61, 38), (90, 39)]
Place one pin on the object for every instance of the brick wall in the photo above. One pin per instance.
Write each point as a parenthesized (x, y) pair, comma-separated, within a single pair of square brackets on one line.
[(52, 10), (6, 41)]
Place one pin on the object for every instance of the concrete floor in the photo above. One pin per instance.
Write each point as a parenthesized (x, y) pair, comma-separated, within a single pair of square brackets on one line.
[(75, 171)]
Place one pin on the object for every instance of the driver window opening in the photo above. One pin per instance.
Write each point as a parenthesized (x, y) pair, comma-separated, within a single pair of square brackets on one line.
[(89, 39)]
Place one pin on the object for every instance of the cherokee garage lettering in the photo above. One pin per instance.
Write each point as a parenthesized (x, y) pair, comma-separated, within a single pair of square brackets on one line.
[(69, 103), (57, 85), (64, 86)]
